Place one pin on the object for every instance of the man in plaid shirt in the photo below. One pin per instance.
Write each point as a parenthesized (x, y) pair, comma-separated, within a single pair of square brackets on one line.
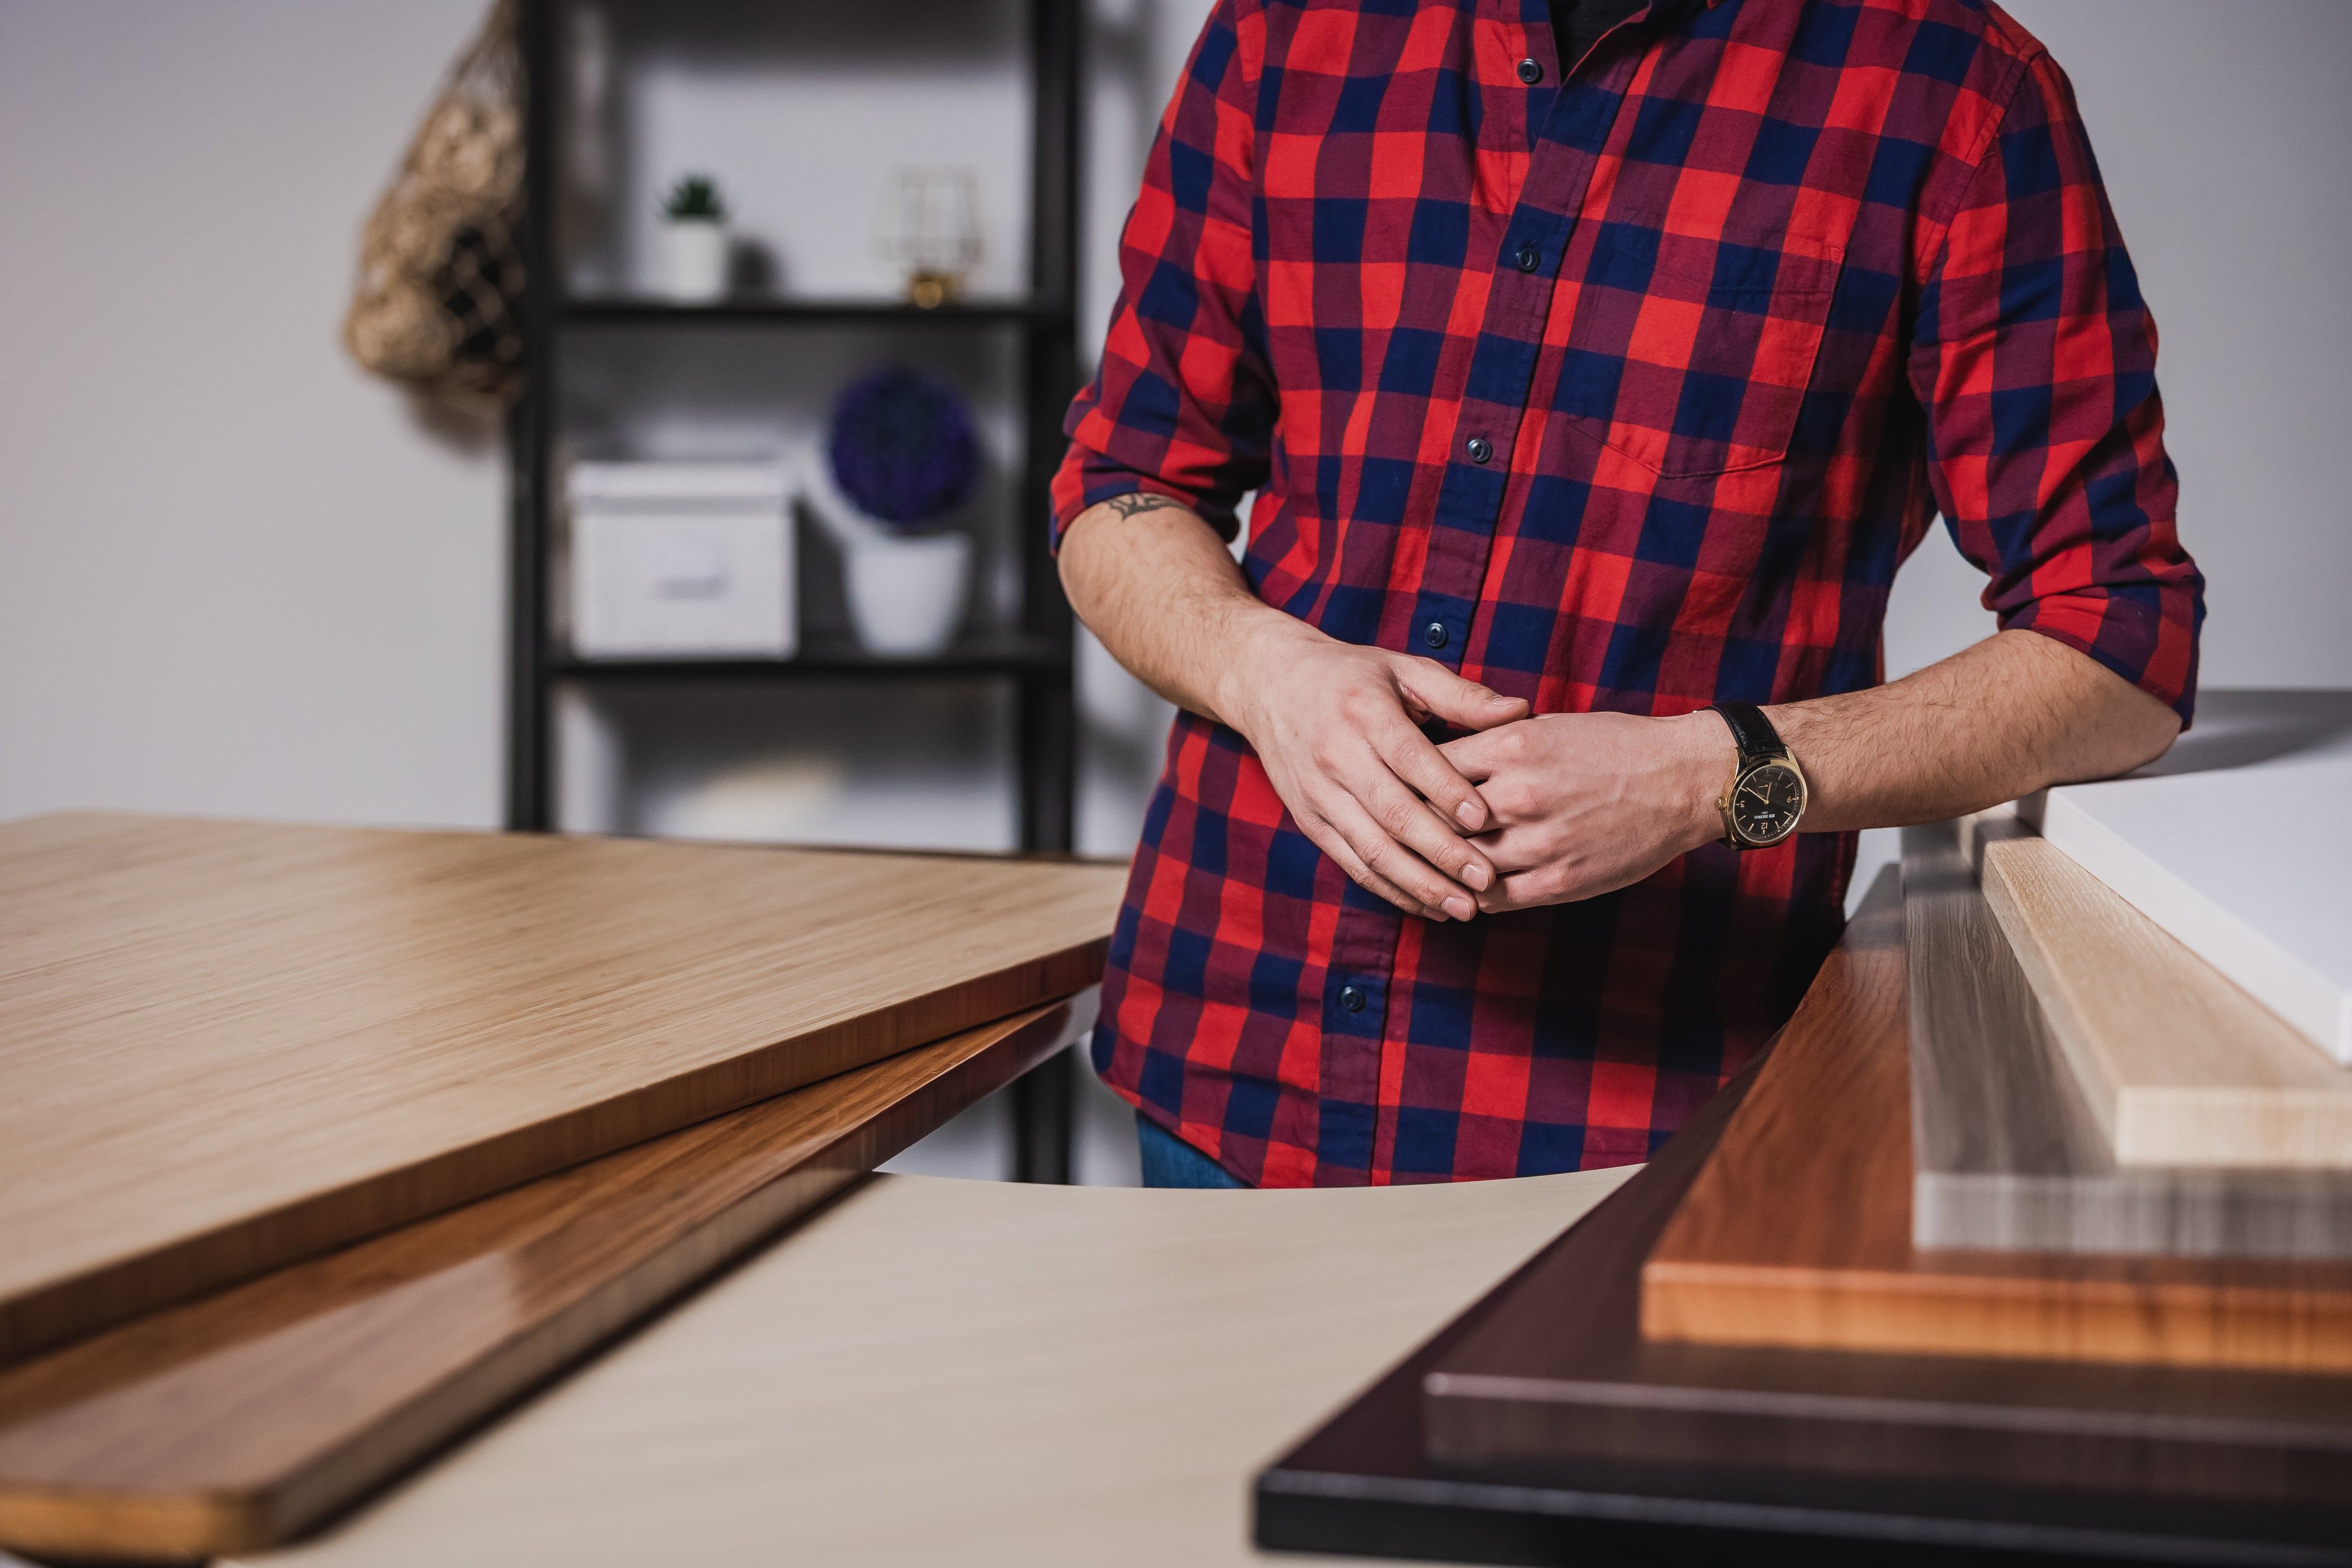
[(1593, 364)]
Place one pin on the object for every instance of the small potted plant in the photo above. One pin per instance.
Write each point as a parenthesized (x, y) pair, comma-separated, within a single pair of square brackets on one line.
[(693, 241), (899, 459)]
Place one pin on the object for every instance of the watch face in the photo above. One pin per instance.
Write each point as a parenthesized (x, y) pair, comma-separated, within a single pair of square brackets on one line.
[(1766, 802)]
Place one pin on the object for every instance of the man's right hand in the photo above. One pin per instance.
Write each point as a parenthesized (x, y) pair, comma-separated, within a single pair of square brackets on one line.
[(1338, 729), (1337, 726)]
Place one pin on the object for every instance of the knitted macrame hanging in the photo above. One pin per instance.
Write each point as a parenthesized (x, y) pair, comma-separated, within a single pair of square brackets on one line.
[(438, 301)]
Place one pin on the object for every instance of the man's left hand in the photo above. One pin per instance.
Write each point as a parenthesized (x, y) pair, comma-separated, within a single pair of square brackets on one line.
[(1586, 803)]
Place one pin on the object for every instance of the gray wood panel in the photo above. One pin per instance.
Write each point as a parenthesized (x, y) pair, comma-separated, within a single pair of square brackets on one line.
[(2008, 1152)]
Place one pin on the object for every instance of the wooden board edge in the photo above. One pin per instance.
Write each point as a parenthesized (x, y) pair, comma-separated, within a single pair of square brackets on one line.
[(2095, 1073), (2305, 1130), (191, 1526), (1966, 1315), (2146, 1125), (117, 1293)]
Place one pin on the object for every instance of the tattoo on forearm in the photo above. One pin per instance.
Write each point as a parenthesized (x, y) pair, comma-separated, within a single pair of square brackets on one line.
[(1136, 502)]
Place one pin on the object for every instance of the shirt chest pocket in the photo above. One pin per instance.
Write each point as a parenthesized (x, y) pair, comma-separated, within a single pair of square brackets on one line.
[(1691, 355)]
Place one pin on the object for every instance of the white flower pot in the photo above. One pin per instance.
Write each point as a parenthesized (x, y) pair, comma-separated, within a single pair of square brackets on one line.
[(693, 261), (907, 595)]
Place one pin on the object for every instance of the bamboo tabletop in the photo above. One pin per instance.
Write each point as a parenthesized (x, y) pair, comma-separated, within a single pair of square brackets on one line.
[(230, 1046), (237, 1420)]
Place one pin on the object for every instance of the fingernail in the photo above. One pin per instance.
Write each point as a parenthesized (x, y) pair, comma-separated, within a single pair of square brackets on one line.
[(1460, 908), (1468, 815), (1477, 875)]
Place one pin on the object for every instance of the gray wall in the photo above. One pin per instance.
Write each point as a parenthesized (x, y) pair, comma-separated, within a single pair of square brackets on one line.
[(235, 576)]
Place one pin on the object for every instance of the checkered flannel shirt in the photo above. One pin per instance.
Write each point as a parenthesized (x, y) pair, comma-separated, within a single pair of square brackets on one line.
[(1620, 387)]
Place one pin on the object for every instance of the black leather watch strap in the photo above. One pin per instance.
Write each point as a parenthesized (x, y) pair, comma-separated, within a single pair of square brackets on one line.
[(1750, 731)]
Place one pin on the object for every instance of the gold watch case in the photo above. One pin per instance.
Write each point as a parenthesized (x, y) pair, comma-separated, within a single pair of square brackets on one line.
[(1765, 801)]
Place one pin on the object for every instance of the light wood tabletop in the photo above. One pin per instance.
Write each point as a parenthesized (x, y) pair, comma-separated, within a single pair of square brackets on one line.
[(975, 1372), (230, 1046)]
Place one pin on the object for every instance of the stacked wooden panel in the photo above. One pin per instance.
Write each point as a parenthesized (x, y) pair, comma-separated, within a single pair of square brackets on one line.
[(2015, 1107), (2033, 1220), (1754, 1331), (1830, 1260), (322, 1143)]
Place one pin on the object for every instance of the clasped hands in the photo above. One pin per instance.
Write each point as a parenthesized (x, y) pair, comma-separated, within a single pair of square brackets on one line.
[(1530, 810)]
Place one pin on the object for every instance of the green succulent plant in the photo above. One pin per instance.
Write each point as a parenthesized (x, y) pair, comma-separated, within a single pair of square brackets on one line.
[(695, 199)]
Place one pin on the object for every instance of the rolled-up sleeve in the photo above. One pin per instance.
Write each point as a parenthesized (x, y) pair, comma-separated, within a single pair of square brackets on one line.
[(1183, 405), (2035, 358)]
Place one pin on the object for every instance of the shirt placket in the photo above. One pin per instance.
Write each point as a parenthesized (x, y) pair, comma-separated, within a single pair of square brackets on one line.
[(1494, 408), (1364, 1043)]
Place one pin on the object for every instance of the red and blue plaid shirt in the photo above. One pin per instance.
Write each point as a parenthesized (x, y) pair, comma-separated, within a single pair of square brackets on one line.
[(1621, 387)]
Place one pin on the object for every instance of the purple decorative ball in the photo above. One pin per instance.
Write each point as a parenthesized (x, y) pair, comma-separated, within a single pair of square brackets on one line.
[(902, 449)]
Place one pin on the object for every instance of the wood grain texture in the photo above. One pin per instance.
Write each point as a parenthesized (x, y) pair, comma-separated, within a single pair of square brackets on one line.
[(1551, 1384), (2007, 1151), (1797, 1233), (2180, 1065), (233, 1422), (976, 1374), (230, 1045)]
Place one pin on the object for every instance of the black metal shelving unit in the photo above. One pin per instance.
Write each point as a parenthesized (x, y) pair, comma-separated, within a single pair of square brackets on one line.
[(1037, 658)]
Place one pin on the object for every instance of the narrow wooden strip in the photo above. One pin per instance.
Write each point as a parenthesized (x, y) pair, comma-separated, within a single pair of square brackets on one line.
[(232, 1422), (2180, 1067), (2286, 1325), (1798, 1232), (230, 1045), (2008, 1154)]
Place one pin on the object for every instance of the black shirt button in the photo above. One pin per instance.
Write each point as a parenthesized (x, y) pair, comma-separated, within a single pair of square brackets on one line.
[(1352, 997), (1434, 634), (1530, 258), (1531, 72), (1480, 448)]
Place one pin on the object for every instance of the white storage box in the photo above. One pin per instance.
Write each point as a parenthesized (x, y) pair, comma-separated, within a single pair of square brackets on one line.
[(681, 561)]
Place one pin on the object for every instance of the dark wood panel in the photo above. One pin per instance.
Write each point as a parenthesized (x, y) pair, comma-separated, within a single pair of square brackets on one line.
[(1561, 1465), (229, 1423), (2009, 1153)]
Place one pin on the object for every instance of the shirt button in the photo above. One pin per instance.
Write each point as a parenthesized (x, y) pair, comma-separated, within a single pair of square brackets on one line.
[(1531, 72), (1434, 634), (1352, 997), (1480, 448), (1530, 258)]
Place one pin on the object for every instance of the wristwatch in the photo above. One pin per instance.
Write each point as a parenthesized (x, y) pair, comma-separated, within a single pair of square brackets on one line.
[(1768, 793)]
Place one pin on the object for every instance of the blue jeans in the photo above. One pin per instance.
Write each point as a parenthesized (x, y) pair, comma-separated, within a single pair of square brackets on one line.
[(1170, 1162)]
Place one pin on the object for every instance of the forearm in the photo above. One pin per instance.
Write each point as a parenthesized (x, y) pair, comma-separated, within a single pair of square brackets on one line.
[(1150, 579), (2010, 715)]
